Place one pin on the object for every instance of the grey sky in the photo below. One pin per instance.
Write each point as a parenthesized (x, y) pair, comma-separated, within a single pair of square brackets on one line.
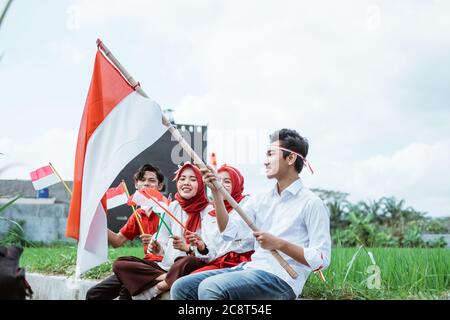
[(365, 81)]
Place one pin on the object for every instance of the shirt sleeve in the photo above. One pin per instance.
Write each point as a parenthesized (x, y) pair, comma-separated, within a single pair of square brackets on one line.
[(317, 220), (211, 255), (236, 227), (131, 229)]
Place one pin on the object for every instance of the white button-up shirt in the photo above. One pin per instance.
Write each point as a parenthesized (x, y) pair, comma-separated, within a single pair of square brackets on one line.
[(296, 215), (170, 253), (217, 247)]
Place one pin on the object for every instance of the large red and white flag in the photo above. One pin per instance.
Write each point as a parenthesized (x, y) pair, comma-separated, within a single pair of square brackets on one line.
[(117, 125), (116, 196), (43, 177)]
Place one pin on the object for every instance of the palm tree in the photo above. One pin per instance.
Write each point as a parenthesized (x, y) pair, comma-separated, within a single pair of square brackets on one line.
[(375, 208), (399, 217), (392, 209), (337, 204)]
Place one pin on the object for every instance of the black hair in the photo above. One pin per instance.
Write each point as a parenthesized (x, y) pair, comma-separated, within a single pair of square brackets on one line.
[(139, 175), (290, 139)]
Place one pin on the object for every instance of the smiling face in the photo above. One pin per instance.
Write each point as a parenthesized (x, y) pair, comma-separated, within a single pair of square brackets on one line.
[(187, 184), (149, 180), (276, 165), (226, 180)]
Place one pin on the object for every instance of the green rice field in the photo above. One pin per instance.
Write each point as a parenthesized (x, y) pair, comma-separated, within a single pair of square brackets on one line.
[(400, 273)]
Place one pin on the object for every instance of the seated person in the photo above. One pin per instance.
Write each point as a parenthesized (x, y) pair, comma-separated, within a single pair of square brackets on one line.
[(211, 251), (293, 221), (145, 279), (147, 176)]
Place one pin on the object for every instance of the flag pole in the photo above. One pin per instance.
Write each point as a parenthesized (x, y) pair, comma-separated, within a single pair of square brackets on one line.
[(197, 160), (134, 209), (60, 178)]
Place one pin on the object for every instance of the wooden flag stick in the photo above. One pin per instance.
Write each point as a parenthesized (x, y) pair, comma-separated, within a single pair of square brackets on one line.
[(138, 219), (60, 178), (322, 277), (197, 160)]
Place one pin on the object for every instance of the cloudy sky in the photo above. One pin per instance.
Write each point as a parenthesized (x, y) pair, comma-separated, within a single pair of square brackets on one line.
[(367, 82)]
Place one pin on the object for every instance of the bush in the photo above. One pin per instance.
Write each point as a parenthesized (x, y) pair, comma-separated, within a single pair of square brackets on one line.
[(413, 238), (386, 222), (433, 226), (439, 243), (15, 236)]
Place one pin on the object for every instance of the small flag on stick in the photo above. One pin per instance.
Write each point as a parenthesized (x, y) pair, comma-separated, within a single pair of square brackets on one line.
[(116, 196), (149, 197), (43, 177)]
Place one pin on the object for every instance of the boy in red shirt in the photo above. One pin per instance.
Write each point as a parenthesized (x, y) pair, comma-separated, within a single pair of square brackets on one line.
[(147, 176)]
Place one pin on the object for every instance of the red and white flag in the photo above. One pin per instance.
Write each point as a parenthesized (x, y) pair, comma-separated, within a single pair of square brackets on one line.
[(116, 196), (117, 125), (43, 177), (146, 198)]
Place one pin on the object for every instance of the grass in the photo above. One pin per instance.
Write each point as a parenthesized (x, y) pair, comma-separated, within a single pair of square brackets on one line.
[(62, 259), (405, 273)]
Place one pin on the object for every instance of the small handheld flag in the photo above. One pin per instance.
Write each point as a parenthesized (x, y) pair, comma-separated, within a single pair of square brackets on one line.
[(150, 197), (116, 196), (43, 177)]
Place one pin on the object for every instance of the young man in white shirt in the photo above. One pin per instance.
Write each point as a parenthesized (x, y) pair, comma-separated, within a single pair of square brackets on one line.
[(292, 220)]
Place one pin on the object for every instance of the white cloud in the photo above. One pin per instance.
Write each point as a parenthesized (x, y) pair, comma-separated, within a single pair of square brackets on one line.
[(418, 172), (55, 145), (68, 52), (365, 82)]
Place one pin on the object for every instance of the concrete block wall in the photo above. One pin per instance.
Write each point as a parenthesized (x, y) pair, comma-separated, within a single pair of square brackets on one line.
[(42, 222)]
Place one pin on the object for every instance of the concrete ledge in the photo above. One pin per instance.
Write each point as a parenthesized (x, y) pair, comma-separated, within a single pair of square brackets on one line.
[(53, 287)]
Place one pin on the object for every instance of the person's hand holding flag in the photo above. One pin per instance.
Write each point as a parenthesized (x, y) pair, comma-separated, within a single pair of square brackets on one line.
[(195, 240), (155, 247), (146, 238)]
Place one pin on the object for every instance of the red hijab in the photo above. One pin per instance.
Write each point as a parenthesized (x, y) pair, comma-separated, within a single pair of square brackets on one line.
[(197, 203), (237, 186)]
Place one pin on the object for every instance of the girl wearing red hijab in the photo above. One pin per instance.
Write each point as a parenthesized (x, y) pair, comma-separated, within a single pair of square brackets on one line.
[(209, 251), (229, 253), (190, 208)]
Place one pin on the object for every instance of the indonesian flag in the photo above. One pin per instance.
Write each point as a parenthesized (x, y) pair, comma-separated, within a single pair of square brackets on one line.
[(116, 196), (148, 197), (43, 177), (117, 125)]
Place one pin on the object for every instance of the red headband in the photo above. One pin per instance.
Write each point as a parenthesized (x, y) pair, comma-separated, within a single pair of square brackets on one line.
[(298, 154)]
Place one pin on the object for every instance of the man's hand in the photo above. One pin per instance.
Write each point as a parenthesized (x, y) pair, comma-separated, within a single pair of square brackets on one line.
[(146, 238), (195, 240), (180, 244), (268, 241), (209, 177), (155, 247)]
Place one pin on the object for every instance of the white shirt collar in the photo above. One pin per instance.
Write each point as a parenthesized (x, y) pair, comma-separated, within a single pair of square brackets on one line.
[(294, 188)]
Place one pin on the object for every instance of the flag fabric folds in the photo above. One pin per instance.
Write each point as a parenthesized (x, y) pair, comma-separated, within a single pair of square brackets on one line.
[(117, 125)]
